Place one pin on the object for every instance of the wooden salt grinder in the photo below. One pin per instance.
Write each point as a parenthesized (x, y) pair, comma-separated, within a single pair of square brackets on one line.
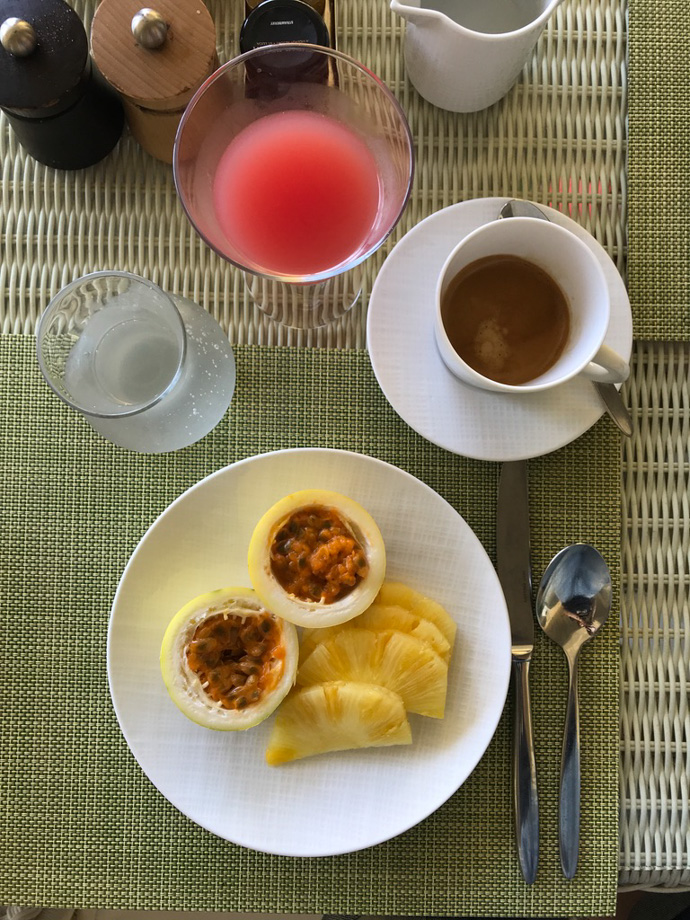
[(157, 59)]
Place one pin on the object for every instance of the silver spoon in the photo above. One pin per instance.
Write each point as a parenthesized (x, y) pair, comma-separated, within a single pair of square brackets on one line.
[(573, 603), (611, 397)]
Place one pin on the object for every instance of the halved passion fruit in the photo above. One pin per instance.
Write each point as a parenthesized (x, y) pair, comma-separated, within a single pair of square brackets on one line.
[(227, 661), (317, 558)]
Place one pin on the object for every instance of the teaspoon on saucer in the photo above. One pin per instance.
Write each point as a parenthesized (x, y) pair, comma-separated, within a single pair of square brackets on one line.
[(610, 395)]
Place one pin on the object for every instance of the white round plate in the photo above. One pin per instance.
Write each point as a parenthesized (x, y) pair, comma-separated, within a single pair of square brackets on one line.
[(334, 803), (460, 418)]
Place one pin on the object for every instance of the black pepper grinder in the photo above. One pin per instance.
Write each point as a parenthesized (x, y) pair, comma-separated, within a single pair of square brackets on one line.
[(63, 112)]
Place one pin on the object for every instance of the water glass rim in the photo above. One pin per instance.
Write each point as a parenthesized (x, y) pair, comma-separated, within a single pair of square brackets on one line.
[(48, 314)]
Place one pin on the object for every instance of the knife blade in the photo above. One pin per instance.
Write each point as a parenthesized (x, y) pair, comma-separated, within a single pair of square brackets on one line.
[(515, 575)]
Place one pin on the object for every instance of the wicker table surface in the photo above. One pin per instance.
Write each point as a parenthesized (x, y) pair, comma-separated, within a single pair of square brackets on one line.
[(559, 137)]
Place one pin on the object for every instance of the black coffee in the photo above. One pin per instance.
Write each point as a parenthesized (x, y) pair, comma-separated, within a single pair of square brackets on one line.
[(507, 318)]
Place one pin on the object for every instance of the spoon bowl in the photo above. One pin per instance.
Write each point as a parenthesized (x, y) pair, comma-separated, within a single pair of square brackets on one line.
[(573, 603), (574, 597)]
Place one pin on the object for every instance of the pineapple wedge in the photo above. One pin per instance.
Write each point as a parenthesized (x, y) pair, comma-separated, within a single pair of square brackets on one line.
[(392, 659), (336, 716), (395, 593), (381, 617)]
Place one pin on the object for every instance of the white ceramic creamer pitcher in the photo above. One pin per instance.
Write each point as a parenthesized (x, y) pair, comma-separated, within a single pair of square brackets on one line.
[(464, 55)]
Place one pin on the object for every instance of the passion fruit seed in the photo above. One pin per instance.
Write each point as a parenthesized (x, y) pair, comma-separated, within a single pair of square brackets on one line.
[(315, 555), (232, 656)]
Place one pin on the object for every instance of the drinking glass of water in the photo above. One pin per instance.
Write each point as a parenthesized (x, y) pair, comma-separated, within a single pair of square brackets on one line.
[(150, 371)]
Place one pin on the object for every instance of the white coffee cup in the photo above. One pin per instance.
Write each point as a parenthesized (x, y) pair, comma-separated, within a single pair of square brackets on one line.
[(574, 268)]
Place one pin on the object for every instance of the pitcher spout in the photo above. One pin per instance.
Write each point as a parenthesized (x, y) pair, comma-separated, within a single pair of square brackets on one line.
[(411, 11)]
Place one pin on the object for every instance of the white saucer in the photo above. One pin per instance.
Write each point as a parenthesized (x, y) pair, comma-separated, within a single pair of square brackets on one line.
[(451, 414)]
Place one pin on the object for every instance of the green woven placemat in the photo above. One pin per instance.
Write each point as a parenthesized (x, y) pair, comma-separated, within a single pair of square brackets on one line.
[(83, 827), (659, 169)]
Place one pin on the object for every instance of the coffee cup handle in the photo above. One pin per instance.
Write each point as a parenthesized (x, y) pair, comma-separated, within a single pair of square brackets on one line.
[(607, 367)]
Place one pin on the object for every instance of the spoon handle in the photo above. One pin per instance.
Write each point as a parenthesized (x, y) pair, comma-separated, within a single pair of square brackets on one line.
[(569, 809), (525, 804), (615, 407)]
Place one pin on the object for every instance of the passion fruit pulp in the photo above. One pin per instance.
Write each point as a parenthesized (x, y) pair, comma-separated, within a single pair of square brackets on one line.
[(317, 558), (227, 660)]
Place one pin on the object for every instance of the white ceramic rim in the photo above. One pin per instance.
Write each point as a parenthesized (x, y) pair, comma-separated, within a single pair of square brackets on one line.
[(487, 383), (444, 410), (532, 25), (470, 729)]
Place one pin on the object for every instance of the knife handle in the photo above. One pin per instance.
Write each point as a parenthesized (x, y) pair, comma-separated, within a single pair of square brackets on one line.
[(525, 804)]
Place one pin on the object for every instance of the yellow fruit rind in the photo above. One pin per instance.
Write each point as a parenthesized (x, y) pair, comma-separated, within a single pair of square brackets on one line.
[(183, 684), (316, 613)]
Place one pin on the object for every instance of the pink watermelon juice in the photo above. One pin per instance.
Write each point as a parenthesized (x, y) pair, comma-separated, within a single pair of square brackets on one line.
[(296, 193)]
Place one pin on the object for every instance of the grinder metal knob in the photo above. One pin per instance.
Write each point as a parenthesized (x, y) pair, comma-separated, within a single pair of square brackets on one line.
[(18, 36), (149, 28)]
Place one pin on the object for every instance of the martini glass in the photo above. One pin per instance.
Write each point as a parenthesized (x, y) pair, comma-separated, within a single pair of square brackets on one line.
[(294, 162)]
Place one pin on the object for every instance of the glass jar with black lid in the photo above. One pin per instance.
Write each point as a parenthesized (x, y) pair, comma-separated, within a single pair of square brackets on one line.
[(277, 21)]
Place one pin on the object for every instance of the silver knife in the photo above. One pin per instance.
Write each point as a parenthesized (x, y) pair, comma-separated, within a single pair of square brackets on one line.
[(515, 574)]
